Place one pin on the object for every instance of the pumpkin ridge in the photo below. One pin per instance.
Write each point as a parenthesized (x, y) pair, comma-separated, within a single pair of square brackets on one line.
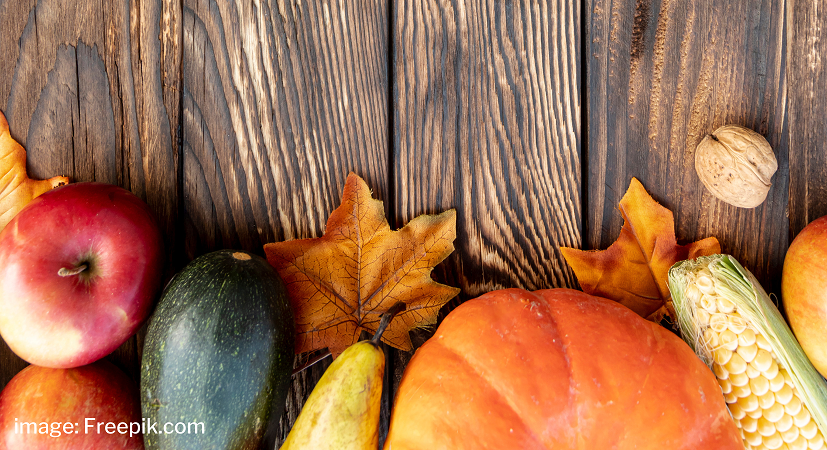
[(506, 400), (564, 345)]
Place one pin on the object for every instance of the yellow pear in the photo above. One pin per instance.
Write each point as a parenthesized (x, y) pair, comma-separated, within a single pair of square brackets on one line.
[(342, 412)]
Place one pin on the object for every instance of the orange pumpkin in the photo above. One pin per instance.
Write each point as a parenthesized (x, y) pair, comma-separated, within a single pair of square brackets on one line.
[(557, 369)]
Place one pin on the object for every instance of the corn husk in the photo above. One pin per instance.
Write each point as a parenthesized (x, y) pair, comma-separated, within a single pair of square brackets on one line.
[(738, 285)]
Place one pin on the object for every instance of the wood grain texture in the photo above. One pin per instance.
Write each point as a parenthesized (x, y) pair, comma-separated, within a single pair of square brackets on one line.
[(807, 111), (83, 90), (486, 103), (281, 100), (663, 74)]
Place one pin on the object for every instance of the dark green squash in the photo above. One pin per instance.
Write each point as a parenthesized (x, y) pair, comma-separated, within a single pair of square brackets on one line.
[(219, 351)]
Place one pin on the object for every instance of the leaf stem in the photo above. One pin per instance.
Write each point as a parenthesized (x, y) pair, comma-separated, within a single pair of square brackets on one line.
[(387, 316), (386, 320)]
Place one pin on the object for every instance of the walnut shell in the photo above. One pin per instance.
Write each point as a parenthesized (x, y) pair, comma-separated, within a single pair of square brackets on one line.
[(736, 164)]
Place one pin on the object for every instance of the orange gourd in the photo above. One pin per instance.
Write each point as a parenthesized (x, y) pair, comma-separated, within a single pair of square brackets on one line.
[(556, 369)]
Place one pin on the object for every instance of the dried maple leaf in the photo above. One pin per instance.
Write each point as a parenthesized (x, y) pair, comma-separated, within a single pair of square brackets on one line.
[(342, 282), (16, 188), (633, 270)]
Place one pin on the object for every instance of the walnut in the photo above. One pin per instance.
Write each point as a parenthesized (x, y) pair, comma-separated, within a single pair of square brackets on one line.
[(736, 164)]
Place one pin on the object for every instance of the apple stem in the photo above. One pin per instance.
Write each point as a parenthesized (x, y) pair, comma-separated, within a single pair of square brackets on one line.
[(64, 272)]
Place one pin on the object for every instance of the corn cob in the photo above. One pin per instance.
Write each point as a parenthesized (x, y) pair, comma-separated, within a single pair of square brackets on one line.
[(776, 397)]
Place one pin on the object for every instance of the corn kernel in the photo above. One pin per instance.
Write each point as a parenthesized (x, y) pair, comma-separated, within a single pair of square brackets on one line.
[(772, 371), (752, 372), (793, 407), (747, 352), (722, 355), (774, 413), (738, 379), (747, 338), (749, 403), (785, 423), (777, 383), (718, 322), (753, 438), (789, 435), (762, 360), (765, 427), (693, 293), (737, 324), (736, 365), (748, 424), (759, 385), (816, 442), (703, 317), (729, 340), (757, 414), (725, 305), (720, 372), (799, 444), (773, 441), (708, 303), (809, 430), (704, 284), (802, 419), (726, 387), (740, 391), (766, 400), (763, 343), (737, 412), (784, 395), (711, 338)]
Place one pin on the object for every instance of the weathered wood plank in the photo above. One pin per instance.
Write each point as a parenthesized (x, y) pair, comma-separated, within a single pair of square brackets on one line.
[(662, 75), (83, 92), (487, 121), (806, 112), (281, 100), (486, 104)]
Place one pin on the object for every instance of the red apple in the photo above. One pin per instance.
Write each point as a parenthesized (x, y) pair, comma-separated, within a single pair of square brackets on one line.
[(45, 408), (804, 291), (80, 267)]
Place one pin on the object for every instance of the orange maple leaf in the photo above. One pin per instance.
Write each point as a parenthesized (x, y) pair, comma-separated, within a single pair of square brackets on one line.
[(342, 282), (16, 188), (633, 270)]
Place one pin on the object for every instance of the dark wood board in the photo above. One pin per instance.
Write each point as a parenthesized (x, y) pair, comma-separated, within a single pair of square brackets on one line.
[(487, 121), (806, 112), (661, 75), (84, 90), (281, 100)]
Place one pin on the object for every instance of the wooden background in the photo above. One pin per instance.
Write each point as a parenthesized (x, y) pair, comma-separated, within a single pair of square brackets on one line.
[(238, 121)]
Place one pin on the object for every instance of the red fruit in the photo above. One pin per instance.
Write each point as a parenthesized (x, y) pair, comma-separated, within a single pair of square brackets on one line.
[(44, 408), (804, 291), (53, 317)]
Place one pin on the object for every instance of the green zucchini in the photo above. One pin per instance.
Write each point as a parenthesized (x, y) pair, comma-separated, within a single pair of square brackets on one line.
[(218, 355)]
